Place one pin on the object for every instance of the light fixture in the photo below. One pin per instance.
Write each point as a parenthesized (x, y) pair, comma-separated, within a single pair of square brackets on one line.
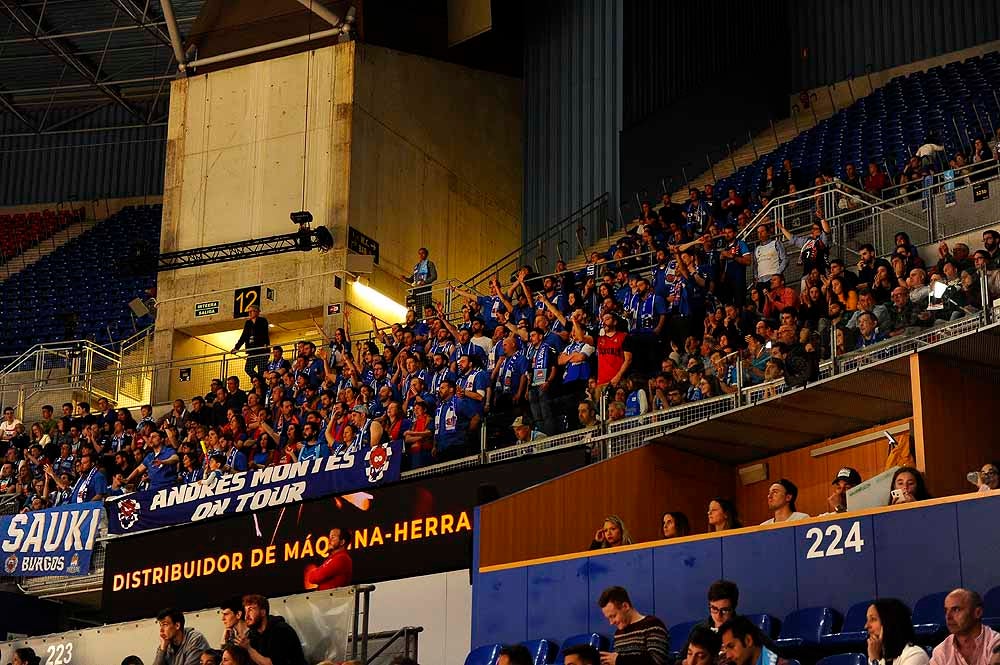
[(379, 302)]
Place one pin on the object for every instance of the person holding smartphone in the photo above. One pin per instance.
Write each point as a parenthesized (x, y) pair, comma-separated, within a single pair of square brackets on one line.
[(907, 486)]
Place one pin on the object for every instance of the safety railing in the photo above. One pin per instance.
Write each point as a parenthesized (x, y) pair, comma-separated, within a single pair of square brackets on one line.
[(561, 241)]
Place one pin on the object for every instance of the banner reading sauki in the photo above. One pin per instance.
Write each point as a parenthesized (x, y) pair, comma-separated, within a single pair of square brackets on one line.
[(248, 491), (56, 541)]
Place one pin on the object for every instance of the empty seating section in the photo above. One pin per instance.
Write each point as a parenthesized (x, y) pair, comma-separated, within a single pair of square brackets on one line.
[(815, 632), (82, 289), (890, 124), (22, 231)]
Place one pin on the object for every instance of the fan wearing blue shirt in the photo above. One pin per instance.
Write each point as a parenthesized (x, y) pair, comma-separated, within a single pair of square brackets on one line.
[(471, 384), (452, 424), (160, 464), (312, 446)]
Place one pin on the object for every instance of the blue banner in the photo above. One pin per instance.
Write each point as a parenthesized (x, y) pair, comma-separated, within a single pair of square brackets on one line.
[(249, 491), (56, 541)]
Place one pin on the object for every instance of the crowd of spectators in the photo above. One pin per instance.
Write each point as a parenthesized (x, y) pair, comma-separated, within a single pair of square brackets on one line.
[(726, 637), (906, 486)]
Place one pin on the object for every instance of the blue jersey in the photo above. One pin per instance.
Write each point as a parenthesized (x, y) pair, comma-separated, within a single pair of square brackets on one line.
[(648, 312), (451, 423), (236, 460), (540, 360), (511, 371), (316, 450), (475, 380), (88, 486), (163, 475), (577, 371)]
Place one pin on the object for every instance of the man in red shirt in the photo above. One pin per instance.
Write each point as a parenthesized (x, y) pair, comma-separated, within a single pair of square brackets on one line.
[(614, 356), (338, 569)]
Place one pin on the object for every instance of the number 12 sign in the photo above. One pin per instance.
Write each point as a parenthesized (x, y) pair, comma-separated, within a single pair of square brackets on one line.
[(245, 298)]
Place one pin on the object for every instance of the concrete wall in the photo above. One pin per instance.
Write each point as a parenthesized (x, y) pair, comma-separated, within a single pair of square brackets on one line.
[(407, 150), (436, 161)]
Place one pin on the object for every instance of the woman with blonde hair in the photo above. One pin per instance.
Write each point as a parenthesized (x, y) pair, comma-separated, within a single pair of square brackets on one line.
[(612, 534)]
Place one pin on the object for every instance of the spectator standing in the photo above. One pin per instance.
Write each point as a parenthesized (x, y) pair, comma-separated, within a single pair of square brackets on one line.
[(270, 639), (424, 274), (781, 502), (8, 426), (742, 644), (890, 635), (969, 642), (178, 645), (160, 464), (639, 639), (614, 352), (769, 259), (256, 338), (338, 569)]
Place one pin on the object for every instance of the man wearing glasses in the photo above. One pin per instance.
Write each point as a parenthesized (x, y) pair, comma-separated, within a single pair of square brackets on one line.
[(723, 597)]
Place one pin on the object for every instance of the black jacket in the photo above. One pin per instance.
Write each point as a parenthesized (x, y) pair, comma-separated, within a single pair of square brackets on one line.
[(255, 335), (279, 642)]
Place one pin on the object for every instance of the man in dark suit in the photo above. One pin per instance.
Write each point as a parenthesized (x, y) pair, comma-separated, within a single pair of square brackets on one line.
[(257, 339)]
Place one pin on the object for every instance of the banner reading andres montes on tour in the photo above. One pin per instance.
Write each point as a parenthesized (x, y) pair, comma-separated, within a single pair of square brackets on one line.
[(248, 491), (57, 541)]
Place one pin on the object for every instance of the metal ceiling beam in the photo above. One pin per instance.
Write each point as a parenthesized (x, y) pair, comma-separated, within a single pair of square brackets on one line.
[(87, 33), (320, 10), (33, 28), (138, 17), (175, 34), (15, 112)]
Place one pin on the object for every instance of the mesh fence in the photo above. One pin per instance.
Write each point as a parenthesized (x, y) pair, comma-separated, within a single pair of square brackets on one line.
[(540, 445), (898, 346)]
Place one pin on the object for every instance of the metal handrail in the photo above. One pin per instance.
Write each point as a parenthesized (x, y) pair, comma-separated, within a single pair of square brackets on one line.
[(549, 233)]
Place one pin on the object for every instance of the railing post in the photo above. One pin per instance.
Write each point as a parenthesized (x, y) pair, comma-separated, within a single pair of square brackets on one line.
[(833, 348), (984, 296), (483, 454), (756, 156), (739, 381)]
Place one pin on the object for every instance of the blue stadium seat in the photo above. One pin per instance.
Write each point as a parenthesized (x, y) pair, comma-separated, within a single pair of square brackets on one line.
[(679, 634), (991, 608), (853, 631), (928, 615), (767, 624), (596, 640), (806, 627), (484, 655), (543, 652), (844, 659)]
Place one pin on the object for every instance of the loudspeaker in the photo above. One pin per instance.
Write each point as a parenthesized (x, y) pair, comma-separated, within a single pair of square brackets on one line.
[(138, 308)]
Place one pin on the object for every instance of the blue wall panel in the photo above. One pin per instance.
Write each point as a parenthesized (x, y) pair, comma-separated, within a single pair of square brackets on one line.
[(632, 570), (979, 544), (559, 599), (683, 574), (763, 564), (500, 607), (853, 570), (906, 553), (917, 552)]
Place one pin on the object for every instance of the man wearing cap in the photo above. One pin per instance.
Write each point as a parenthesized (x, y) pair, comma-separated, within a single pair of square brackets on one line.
[(524, 432), (257, 338), (370, 431), (781, 502), (845, 479)]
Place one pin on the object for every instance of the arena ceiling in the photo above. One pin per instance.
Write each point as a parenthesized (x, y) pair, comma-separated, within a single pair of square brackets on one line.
[(86, 54)]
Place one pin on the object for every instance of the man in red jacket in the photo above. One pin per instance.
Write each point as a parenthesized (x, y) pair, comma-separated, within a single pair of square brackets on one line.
[(337, 571)]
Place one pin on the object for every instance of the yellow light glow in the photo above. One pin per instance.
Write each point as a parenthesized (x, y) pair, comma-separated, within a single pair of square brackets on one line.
[(377, 303)]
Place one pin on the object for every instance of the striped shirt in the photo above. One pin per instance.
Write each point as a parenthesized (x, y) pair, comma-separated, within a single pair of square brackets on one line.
[(645, 642)]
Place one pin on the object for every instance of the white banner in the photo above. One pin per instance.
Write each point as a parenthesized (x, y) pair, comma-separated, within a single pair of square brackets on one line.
[(323, 621)]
